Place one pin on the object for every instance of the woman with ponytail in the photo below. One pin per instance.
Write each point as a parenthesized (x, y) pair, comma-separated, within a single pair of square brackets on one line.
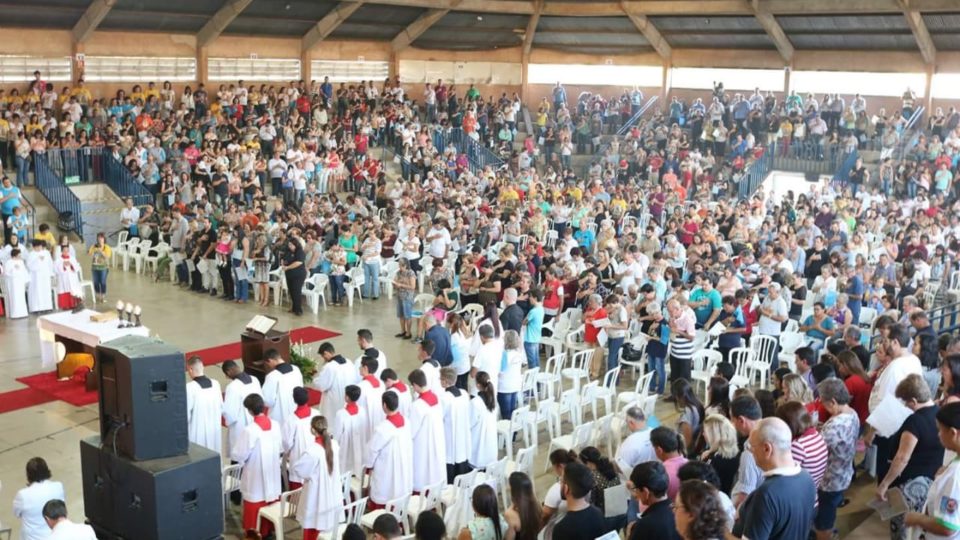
[(319, 466), (523, 515), (668, 445), (483, 422), (554, 505), (604, 476), (487, 523)]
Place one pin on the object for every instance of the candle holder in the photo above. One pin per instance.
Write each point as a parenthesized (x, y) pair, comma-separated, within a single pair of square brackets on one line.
[(136, 313), (122, 323), (129, 311)]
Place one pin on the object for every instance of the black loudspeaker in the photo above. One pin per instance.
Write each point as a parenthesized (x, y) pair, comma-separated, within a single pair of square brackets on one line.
[(173, 498), (143, 398)]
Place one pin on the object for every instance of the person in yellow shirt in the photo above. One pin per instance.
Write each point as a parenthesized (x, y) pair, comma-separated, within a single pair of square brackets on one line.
[(152, 90), (82, 93), (44, 234), (509, 194), (14, 97), (575, 192), (137, 94)]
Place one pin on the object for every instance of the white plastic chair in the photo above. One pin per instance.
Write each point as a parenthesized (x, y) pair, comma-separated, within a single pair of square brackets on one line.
[(640, 391), (398, 507), (428, 499), (953, 290), (524, 462), (143, 249), (230, 480), (351, 513), (472, 314), (868, 315), (605, 392), (550, 378), (704, 364), (789, 343), (86, 284), (120, 248), (277, 283), (315, 290), (639, 367), (764, 349), (742, 359), (422, 303), (426, 266), (602, 433), (578, 370), (275, 513), (507, 428), (577, 440), (388, 273), (130, 247), (152, 261), (528, 387), (354, 285)]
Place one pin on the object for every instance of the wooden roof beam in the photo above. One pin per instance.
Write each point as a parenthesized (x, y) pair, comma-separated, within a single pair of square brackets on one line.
[(91, 19), (773, 29), (532, 27), (920, 32), (417, 28), (220, 21), (328, 24), (650, 33)]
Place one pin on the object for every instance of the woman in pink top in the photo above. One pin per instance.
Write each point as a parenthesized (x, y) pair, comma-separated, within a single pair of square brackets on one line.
[(668, 445), (808, 448)]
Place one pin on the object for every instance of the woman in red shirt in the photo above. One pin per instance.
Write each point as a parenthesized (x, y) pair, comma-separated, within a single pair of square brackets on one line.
[(857, 382), (593, 311), (553, 297)]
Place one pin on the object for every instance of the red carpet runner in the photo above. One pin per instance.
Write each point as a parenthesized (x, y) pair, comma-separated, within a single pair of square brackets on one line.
[(44, 387)]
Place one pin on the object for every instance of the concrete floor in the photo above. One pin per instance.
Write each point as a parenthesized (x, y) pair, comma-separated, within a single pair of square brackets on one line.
[(192, 321)]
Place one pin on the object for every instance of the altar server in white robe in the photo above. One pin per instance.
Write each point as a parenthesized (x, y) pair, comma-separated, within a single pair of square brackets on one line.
[(258, 450), (350, 430), (483, 422), (296, 433), (456, 424), (67, 270), (333, 379), (392, 383), (390, 457), (429, 366), (16, 277), (204, 407), (40, 291), (278, 386), (365, 342), (319, 466), (371, 394), (235, 415), (426, 426)]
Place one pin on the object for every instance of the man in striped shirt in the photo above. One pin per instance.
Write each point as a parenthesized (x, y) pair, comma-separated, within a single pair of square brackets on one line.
[(682, 330)]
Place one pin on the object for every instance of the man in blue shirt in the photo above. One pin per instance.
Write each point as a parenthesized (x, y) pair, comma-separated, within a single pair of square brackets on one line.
[(734, 323), (440, 337), (10, 198), (818, 327), (533, 329), (854, 292)]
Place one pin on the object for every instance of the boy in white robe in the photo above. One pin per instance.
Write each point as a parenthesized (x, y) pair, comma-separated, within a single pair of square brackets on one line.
[(365, 342), (204, 407), (456, 424), (426, 427), (40, 291), (258, 450), (296, 433), (429, 366), (235, 415), (350, 429), (393, 383), (15, 280), (67, 270), (371, 392), (319, 466), (333, 379), (278, 386), (390, 457)]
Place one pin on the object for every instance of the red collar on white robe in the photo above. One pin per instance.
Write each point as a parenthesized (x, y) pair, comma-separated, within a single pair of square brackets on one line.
[(263, 421), (372, 380), (400, 387), (302, 411), (396, 419), (429, 397), (352, 409)]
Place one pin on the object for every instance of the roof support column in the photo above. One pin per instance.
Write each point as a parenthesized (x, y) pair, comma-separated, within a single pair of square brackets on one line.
[(928, 87), (666, 82), (787, 74), (306, 67), (76, 70), (202, 58)]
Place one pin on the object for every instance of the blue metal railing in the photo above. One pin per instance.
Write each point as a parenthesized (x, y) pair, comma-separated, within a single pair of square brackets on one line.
[(633, 119), (847, 165), (116, 175), (754, 175), (478, 155), (57, 193)]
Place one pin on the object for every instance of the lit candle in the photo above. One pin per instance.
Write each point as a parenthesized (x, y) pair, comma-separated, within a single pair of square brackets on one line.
[(129, 308), (119, 305), (136, 311)]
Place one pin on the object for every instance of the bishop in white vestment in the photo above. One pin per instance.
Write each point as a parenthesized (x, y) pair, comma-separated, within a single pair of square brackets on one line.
[(40, 291)]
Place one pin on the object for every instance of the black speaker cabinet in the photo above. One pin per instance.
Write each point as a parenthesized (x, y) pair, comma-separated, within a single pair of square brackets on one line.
[(143, 397), (173, 498)]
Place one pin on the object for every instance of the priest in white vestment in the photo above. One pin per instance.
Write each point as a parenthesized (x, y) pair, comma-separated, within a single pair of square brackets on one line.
[(296, 433), (350, 430), (258, 450), (429, 366), (390, 457), (16, 277), (235, 415), (426, 427), (392, 383), (40, 290), (333, 379), (371, 394), (365, 342), (278, 387), (456, 424), (319, 467), (204, 407)]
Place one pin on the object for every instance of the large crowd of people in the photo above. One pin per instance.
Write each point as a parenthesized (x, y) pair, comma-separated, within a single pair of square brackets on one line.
[(646, 257)]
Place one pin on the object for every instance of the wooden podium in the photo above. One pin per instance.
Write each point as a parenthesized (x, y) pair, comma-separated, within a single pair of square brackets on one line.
[(256, 340)]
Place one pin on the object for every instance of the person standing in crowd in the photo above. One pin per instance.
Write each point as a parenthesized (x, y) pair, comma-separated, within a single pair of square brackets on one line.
[(258, 450), (29, 502), (745, 414), (648, 486), (682, 331), (319, 466), (840, 435), (100, 255), (699, 513), (389, 456), (583, 520), (278, 386), (295, 273), (204, 407)]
